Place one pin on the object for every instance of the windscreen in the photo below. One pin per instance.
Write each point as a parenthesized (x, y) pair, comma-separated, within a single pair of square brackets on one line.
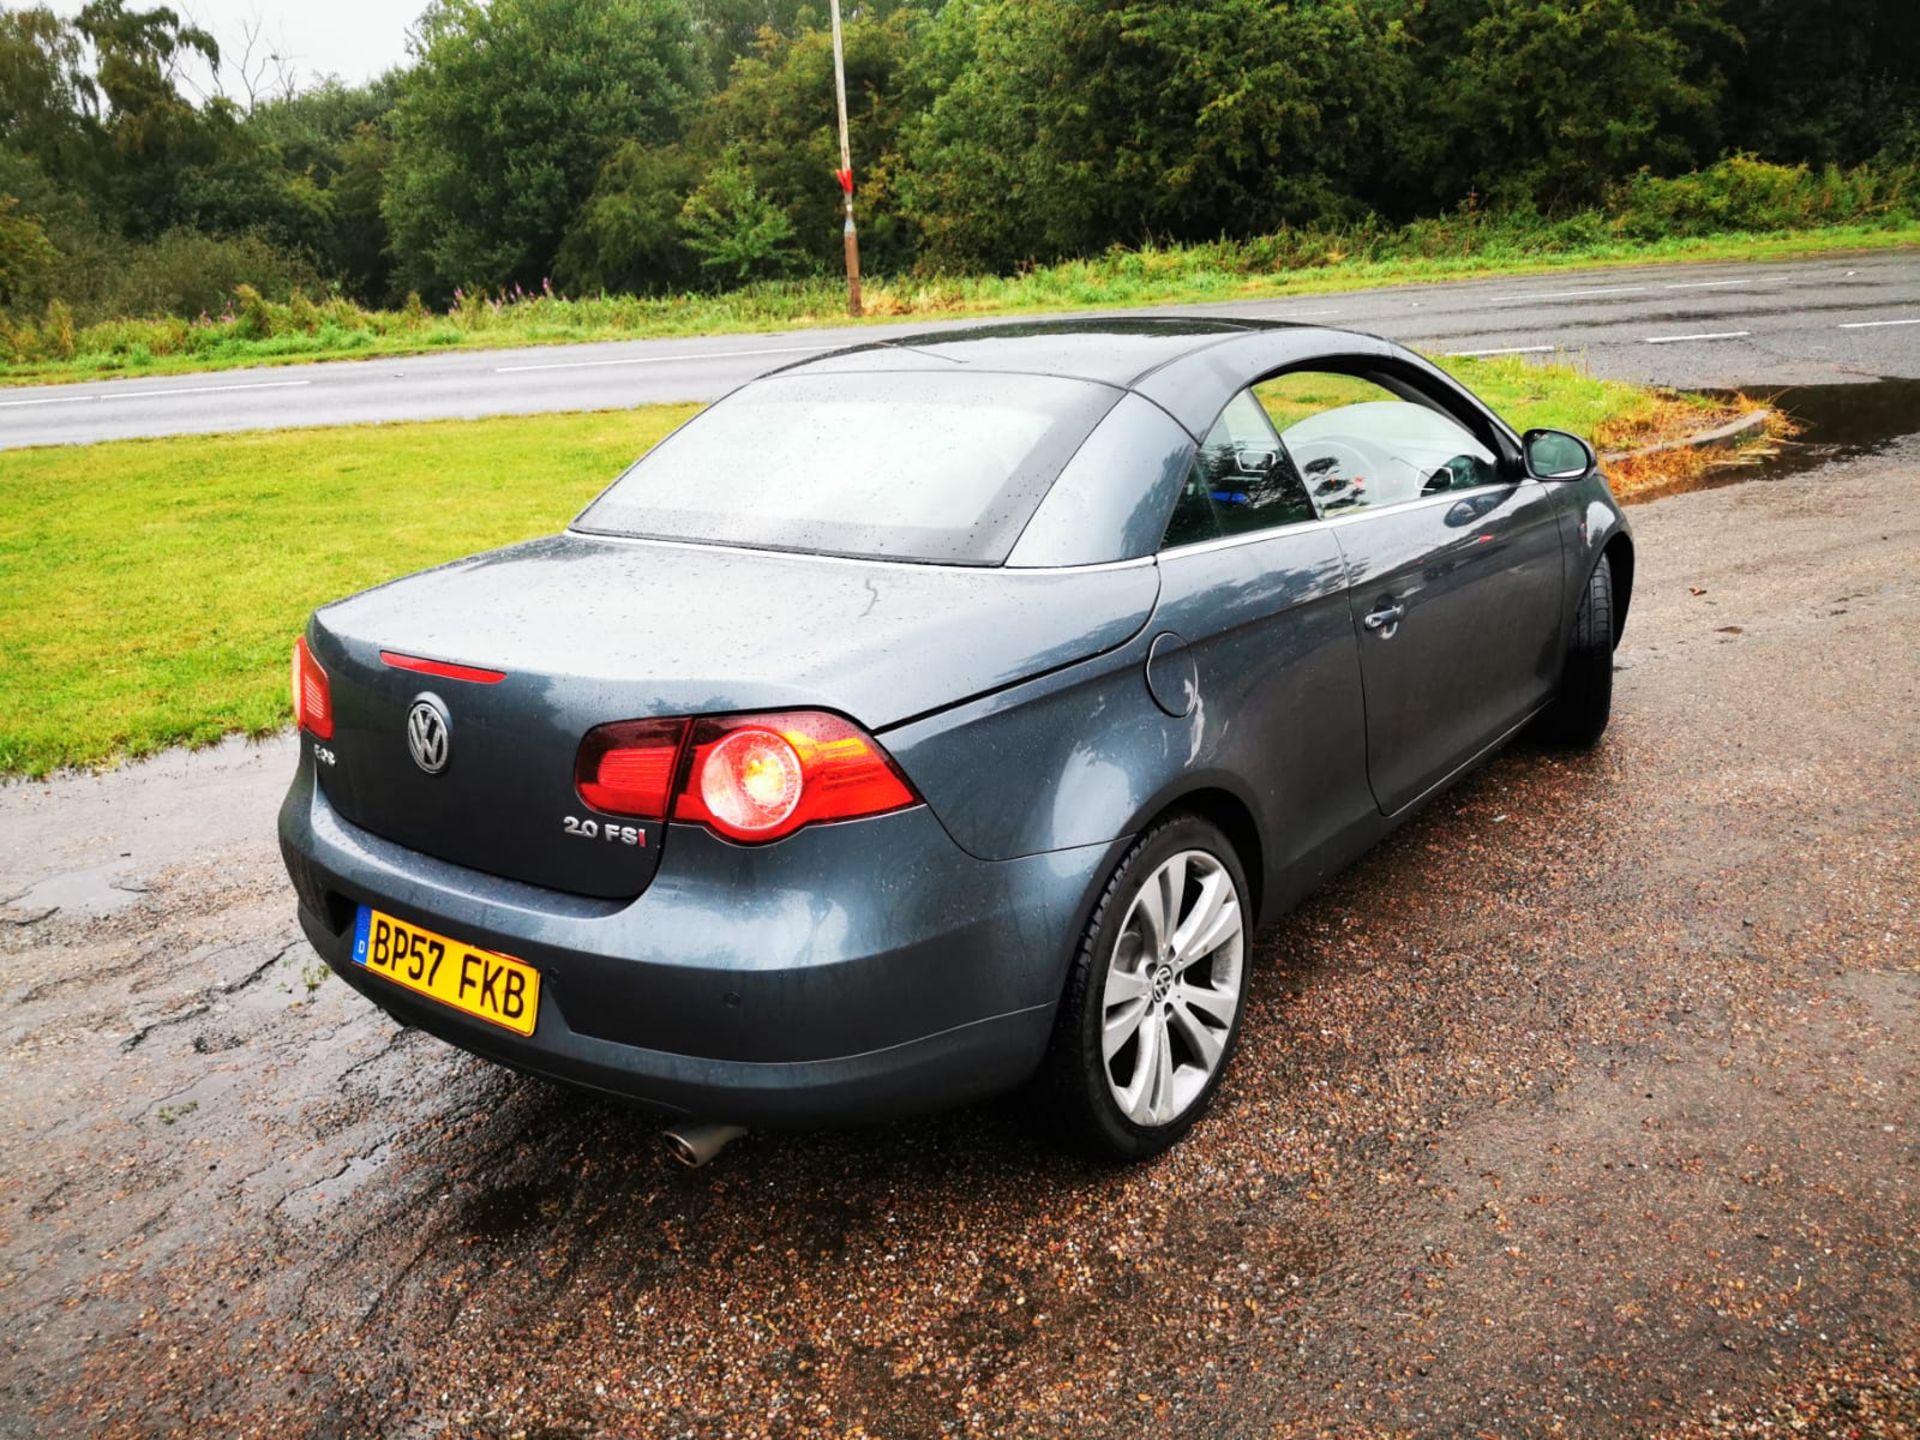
[(931, 466)]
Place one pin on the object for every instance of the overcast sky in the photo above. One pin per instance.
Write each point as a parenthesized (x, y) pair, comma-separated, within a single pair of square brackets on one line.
[(354, 39)]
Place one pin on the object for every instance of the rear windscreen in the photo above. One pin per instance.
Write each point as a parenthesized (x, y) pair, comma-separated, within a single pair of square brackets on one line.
[(903, 465)]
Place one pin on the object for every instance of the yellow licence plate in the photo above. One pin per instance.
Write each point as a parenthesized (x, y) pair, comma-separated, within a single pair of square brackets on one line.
[(495, 988)]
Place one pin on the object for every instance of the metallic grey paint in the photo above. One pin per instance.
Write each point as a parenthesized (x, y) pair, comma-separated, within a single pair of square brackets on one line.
[(1045, 711)]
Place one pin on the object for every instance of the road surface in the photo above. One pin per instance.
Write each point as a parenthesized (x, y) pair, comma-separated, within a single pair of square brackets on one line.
[(1764, 325), (1585, 1106)]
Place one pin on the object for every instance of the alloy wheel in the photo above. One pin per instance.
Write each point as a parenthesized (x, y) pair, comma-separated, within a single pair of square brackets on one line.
[(1172, 988)]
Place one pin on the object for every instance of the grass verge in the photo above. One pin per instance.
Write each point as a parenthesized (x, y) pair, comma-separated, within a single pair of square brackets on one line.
[(149, 589), (260, 332)]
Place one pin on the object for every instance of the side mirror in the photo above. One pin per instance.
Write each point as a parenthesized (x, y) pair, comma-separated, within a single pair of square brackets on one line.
[(1556, 455)]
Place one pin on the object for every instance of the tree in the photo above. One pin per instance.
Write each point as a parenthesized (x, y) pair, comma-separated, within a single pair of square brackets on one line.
[(1542, 102), (152, 132), (1832, 83), (48, 101), (628, 236), (777, 119), (26, 255), (511, 112), (735, 231), (1064, 126)]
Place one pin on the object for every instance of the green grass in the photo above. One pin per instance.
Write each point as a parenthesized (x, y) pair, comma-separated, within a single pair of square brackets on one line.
[(262, 333), (150, 589)]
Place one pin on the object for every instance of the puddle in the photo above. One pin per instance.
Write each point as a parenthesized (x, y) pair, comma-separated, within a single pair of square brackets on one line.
[(509, 1210), (1843, 422)]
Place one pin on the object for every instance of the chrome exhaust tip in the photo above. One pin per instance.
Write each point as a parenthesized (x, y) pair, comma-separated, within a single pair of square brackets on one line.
[(693, 1143)]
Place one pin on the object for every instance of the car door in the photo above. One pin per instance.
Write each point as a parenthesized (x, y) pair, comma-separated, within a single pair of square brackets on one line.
[(1253, 581), (1453, 570)]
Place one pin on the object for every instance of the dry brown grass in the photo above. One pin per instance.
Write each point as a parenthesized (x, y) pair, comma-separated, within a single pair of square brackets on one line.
[(1638, 478)]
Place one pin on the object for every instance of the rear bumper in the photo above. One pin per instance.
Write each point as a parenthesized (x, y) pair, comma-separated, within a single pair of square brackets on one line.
[(849, 973)]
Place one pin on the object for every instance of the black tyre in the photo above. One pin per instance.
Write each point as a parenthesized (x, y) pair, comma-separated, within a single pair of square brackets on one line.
[(1578, 716), (1153, 1001)]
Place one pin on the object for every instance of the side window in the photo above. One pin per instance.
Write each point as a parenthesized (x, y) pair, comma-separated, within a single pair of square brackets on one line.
[(1241, 480), (1361, 447)]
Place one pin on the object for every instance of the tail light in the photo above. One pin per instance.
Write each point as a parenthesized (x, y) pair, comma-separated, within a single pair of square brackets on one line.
[(747, 777), (312, 694), (628, 768), (759, 777)]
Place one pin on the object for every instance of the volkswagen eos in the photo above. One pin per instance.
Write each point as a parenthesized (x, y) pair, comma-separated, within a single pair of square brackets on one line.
[(941, 713)]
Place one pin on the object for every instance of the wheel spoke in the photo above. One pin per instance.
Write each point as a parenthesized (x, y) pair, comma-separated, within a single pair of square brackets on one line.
[(1217, 1004), (1161, 1108), (1171, 882), (1125, 985), (1121, 1022), (1214, 919), (1136, 1096), (1205, 1042)]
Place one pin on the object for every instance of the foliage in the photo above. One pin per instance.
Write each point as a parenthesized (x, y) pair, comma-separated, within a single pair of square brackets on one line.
[(776, 117), (736, 231), (1832, 83), (1065, 125), (507, 119), (529, 139), (26, 255), (1540, 102), (1742, 193), (627, 236)]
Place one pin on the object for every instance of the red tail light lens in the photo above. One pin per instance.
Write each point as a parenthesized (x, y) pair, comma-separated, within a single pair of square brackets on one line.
[(628, 768), (759, 777), (312, 694)]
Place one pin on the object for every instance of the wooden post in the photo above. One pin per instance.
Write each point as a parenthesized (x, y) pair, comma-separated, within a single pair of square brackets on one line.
[(846, 164)]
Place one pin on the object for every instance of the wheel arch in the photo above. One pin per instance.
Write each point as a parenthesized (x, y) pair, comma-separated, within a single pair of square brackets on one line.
[(1232, 816)]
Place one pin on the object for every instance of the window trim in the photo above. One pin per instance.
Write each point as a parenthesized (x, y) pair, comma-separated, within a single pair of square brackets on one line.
[(1251, 537)]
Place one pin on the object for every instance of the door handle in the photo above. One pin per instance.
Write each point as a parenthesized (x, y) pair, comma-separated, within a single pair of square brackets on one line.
[(1386, 617)]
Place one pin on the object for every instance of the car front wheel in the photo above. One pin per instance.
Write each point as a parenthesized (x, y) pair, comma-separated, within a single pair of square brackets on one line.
[(1153, 1000), (1579, 713)]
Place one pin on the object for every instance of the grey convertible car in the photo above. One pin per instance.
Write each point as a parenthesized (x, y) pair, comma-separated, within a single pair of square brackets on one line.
[(942, 712)]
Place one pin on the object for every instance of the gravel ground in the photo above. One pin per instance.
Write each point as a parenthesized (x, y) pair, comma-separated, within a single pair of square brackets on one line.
[(1585, 1106)]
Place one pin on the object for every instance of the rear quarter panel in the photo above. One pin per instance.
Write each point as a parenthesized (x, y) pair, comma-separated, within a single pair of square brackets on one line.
[(1084, 756)]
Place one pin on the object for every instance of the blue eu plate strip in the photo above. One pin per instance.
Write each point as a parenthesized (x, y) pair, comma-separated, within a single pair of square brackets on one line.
[(361, 929)]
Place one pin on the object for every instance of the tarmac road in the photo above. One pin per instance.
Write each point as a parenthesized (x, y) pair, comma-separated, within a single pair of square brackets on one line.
[(1762, 325), (1585, 1106)]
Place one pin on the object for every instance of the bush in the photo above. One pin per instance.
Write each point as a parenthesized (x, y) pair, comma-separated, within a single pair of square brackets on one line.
[(1741, 193), (56, 337), (737, 232)]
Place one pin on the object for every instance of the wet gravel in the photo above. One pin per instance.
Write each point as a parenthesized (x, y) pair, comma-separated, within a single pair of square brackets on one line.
[(1584, 1106)]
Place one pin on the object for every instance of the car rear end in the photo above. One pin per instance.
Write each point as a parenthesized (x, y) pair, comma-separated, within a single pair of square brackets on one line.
[(618, 809)]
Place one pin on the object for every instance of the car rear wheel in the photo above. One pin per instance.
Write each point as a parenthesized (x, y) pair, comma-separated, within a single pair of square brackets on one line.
[(1152, 1006), (1579, 713)]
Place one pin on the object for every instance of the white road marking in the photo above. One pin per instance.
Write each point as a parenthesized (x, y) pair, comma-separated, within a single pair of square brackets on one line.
[(1876, 324), (49, 400), (1708, 284), (1714, 335), (663, 359), (155, 394), (1514, 350), (1573, 294), (200, 390)]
